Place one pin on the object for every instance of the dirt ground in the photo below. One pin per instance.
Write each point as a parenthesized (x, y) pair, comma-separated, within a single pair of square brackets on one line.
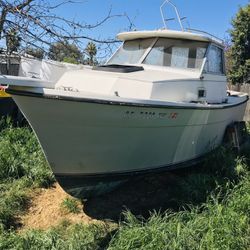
[(140, 196), (45, 210)]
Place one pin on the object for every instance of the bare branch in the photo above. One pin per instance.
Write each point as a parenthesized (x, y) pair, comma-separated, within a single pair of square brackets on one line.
[(2, 20), (23, 5), (64, 3), (38, 24)]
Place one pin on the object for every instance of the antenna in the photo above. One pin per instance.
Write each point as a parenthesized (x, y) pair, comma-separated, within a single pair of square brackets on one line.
[(165, 20)]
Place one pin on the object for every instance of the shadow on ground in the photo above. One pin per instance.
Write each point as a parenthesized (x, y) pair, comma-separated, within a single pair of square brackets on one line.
[(169, 190)]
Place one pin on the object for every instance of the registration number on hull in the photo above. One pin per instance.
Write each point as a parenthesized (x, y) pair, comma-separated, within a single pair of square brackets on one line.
[(151, 115)]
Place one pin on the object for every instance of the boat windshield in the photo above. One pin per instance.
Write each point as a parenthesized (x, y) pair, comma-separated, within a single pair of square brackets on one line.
[(131, 51), (176, 53)]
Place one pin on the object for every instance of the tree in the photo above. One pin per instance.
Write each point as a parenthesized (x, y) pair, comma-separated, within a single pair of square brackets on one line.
[(65, 52), (39, 24), (239, 52), (12, 41), (91, 52), (35, 52), (12, 45)]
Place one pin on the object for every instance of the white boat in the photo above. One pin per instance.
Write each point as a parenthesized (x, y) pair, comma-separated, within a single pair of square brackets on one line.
[(159, 103)]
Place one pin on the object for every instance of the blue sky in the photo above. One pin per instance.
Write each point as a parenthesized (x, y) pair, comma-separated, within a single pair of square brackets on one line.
[(213, 16)]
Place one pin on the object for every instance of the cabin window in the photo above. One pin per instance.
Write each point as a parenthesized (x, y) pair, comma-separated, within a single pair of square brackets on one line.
[(179, 57), (183, 54), (131, 51), (214, 62)]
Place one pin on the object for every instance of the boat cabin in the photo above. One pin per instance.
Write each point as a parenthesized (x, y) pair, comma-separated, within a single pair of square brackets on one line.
[(175, 49), (194, 62)]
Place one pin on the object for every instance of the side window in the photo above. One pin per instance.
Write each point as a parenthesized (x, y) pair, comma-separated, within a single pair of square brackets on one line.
[(215, 60)]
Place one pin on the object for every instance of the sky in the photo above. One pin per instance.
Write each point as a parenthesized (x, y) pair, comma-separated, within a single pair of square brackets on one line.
[(213, 16)]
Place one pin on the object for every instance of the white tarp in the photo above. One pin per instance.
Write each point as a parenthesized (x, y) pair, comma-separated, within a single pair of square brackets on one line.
[(44, 69)]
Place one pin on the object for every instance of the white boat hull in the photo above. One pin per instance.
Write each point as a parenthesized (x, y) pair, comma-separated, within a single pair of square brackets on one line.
[(94, 141)]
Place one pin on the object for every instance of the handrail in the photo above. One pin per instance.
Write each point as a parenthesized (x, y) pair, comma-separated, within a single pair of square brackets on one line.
[(206, 33), (176, 11), (180, 21)]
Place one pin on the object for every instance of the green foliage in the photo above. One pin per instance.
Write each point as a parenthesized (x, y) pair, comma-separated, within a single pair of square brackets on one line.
[(91, 51), (13, 41), (65, 52), (70, 60), (221, 223), (13, 200), (21, 155), (71, 205), (216, 212), (73, 237), (36, 52), (221, 170), (22, 166), (239, 53)]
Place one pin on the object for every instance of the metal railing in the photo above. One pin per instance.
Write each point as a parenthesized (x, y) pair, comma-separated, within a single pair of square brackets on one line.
[(176, 11), (179, 18), (206, 33)]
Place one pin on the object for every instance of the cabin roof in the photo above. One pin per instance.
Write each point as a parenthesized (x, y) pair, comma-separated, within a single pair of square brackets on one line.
[(131, 35)]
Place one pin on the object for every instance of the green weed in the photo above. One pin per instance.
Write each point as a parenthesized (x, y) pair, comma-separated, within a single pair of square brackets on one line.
[(220, 225), (13, 200), (22, 167), (77, 237), (21, 155), (71, 205)]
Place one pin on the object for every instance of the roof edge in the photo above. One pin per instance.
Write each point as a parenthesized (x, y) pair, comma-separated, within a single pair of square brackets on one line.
[(131, 35)]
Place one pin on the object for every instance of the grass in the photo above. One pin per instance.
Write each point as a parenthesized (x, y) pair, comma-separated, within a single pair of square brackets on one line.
[(21, 156), (13, 200), (211, 205), (22, 167), (77, 237), (223, 222), (71, 205)]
